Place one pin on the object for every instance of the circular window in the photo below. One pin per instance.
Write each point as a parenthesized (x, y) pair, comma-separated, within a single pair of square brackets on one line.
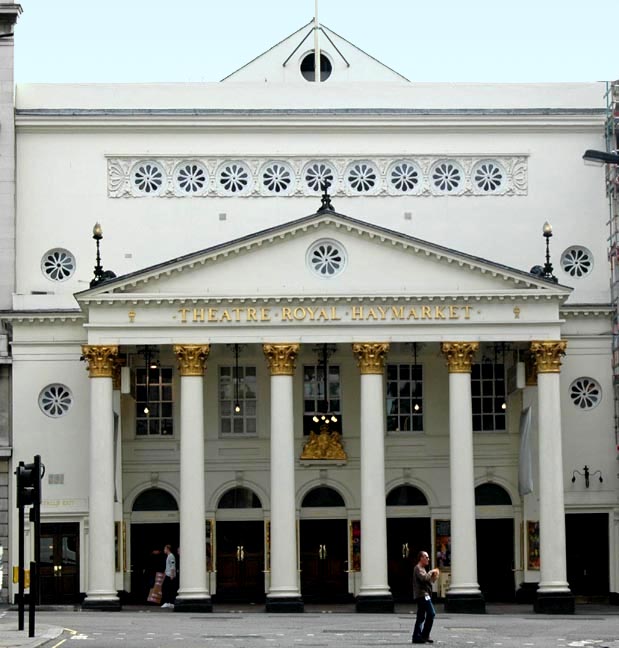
[(585, 393), (277, 178), (362, 177), (577, 261), (447, 176), (234, 178), (308, 69), (316, 174), (55, 400), (148, 178), (191, 177), (58, 264), (488, 176), (326, 258), (404, 177)]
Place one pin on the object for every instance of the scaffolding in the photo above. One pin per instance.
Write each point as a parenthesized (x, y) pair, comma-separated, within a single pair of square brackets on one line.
[(612, 190)]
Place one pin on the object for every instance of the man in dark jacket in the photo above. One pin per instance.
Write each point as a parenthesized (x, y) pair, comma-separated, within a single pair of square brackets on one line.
[(422, 592)]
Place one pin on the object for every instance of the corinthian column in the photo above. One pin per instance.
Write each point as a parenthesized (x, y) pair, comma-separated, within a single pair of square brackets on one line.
[(374, 594), (284, 594), (101, 592), (193, 594), (464, 594), (553, 593)]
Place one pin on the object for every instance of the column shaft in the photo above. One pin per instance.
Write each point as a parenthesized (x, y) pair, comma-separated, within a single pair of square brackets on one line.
[(284, 592), (101, 592), (464, 594), (374, 593), (193, 594)]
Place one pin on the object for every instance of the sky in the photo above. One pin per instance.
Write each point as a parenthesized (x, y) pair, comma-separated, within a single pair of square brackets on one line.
[(91, 41)]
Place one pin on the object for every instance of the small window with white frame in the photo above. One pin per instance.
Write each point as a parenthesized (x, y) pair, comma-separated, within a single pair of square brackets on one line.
[(318, 409), (488, 397), (237, 400), (404, 398), (154, 401)]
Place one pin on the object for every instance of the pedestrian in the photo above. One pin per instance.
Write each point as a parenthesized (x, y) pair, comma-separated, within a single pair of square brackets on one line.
[(422, 593), (169, 582)]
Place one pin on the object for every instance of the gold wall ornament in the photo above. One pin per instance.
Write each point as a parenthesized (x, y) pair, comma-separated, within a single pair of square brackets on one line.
[(191, 358), (101, 359), (547, 354), (281, 358), (370, 356), (530, 369), (459, 355), (116, 377), (325, 445)]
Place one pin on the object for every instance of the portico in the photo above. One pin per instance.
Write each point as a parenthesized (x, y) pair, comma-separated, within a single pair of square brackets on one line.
[(451, 303)]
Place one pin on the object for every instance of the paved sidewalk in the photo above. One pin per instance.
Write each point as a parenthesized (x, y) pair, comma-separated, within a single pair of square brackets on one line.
[(11, 637)]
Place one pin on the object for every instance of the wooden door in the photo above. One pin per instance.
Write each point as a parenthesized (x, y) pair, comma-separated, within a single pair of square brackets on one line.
[(240, 561), (406, 537), (587, 553), (495, 559), (60, 563), (324, 561)]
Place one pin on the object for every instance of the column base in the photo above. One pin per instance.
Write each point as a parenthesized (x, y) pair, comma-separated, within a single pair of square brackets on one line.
[(554, 603), (284, 604), (374, 603), (102, 605), (613, 598), (200, 605), (465, 603)]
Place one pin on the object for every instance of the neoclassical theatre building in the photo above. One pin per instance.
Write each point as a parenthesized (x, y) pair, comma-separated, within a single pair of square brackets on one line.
[(301, 329)]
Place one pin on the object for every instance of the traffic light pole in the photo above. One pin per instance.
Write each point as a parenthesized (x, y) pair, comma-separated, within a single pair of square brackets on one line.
[(20, 568)]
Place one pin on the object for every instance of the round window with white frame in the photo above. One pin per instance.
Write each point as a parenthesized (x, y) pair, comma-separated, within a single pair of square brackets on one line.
[(585, 393), (362, 177), (316, 173), (308, 71), (191, 177), (488, 176), (277, 178), (447, 177), (58, 264), (234, 178), (577, 261), (326, 258), (55, 400), (147, 178), (404, 177)]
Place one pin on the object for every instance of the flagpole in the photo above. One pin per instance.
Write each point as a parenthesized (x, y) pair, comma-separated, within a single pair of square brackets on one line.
[(316, 45)]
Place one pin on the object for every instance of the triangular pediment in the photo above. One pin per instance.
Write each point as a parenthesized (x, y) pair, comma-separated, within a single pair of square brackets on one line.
[(326, 255), (346, 62)]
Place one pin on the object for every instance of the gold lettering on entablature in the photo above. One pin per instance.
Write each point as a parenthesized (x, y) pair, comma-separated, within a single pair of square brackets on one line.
[(349, 313)]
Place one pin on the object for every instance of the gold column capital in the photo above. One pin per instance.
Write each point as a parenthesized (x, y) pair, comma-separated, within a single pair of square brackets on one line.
[(192, 358), (547, 354), (281, 358), (370, 356), (101, 359), (459, 355)]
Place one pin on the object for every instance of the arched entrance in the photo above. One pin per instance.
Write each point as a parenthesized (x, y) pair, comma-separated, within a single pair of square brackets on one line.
[(324, 547), (495, 543), (239, 547), (407, 535), (154, 524)]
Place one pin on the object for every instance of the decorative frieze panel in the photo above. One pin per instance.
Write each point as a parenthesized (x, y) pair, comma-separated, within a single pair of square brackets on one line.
[(179, 177)]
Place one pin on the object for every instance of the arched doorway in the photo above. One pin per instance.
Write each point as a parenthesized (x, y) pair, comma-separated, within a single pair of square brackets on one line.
[(407, 535), (239, 547), (324, 547), (495, 542), (153, 525)]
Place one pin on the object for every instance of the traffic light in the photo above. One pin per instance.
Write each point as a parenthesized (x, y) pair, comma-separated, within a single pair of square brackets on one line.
[(28, 483)]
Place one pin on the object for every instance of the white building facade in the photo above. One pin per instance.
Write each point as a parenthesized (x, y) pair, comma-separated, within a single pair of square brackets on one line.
[(299, 391)]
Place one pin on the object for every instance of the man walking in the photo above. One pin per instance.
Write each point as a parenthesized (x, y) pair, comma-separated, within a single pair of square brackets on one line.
[(422, 593), (170, 578)]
